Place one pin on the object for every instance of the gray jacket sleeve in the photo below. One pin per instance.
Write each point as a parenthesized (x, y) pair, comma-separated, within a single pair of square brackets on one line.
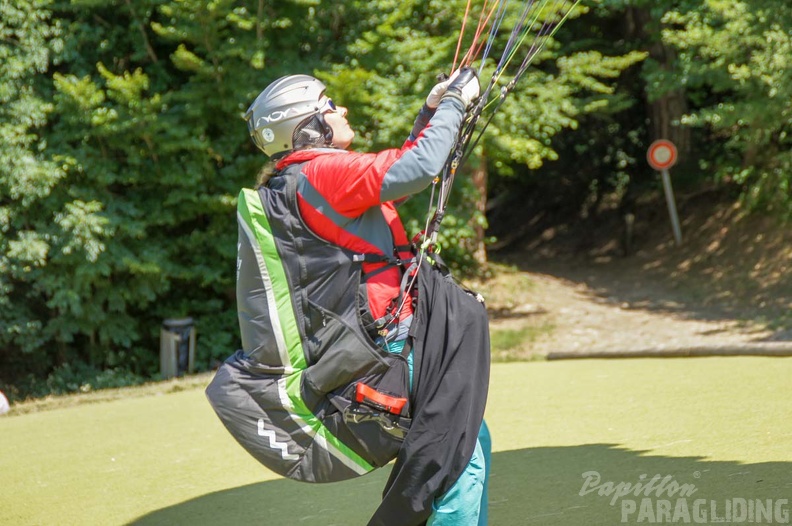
[(423, 159)]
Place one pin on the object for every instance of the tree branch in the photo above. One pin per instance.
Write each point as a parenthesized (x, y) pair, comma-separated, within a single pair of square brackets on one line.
[(142, 28)]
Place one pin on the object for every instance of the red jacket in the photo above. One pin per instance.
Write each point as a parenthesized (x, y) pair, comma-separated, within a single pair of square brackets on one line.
[(347, 198)]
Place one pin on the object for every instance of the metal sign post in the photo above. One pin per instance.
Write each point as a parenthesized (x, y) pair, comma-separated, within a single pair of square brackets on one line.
[(662, 155)]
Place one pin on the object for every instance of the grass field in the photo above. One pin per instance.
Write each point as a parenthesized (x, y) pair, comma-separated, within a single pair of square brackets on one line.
[(720, 426)]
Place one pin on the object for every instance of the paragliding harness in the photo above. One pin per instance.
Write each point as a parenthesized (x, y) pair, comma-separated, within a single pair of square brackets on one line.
[(310, 395), (314, 398)]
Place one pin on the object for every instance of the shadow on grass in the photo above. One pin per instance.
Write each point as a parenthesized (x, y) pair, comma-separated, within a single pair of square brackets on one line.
[(528, 486)]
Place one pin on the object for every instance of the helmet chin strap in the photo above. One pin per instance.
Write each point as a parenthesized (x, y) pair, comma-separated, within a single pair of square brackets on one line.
[(313, 132), (326, 129)]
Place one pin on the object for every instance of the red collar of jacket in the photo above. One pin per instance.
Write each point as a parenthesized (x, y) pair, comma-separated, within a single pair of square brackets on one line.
[(301, 156)]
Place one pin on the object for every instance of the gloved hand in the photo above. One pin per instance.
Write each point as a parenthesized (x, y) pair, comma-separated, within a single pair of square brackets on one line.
[(434, 97), (464, 86)]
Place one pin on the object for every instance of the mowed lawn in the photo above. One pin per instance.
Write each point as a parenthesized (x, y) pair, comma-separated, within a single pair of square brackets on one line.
[(720, 426)]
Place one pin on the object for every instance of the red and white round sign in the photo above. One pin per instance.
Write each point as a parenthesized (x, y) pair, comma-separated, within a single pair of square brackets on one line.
[(662, 155)]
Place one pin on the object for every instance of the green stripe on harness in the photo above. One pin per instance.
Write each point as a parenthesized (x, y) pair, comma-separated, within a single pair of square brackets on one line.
[(252, 212)]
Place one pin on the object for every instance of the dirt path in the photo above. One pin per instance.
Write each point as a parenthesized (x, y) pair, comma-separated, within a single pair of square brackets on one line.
[(585, 320), (613, 307), (572, 289)]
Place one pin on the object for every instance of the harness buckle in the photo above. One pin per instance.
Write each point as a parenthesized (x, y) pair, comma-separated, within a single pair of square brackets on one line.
[(388, 423)]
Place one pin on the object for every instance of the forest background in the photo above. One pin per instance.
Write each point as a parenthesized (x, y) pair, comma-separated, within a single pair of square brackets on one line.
[(122, 145)]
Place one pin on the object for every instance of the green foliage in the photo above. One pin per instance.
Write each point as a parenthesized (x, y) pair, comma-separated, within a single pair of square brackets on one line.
[(122, 147), (735, 59), (586, 128), (72, 378), (28, 233)]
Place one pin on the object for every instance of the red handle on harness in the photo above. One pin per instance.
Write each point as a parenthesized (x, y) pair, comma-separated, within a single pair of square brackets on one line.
[(391, 404)]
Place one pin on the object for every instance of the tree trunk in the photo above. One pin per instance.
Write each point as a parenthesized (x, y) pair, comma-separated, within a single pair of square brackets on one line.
[(479, 178), (666, 112)]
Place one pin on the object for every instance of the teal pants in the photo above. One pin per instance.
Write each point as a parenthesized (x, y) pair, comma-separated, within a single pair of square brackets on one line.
[(465, 504)]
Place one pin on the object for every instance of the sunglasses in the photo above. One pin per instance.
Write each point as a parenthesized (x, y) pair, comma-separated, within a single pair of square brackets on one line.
[(328, 106)]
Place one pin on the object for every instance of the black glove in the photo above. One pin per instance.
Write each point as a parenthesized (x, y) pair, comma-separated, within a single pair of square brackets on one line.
[(464, 87)]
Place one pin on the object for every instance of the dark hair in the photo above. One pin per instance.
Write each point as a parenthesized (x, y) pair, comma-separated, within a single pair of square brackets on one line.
[(265, 174)]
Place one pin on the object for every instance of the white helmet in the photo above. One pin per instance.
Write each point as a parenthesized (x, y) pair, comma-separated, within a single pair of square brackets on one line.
[(287, 115)]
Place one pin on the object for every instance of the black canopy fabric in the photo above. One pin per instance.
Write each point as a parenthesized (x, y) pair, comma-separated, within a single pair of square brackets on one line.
[(451, 378)]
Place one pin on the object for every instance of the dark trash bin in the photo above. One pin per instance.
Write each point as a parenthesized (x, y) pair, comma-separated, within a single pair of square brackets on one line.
[(177, 347)]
